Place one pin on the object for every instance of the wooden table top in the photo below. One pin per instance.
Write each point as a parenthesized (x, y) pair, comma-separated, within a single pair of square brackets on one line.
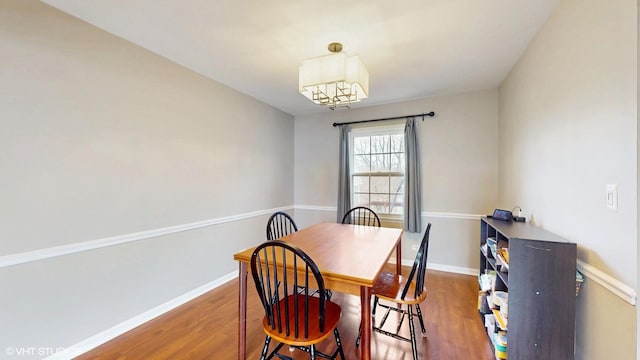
[(345, 254)]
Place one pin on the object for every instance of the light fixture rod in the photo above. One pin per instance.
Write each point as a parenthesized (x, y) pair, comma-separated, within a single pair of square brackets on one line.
[(432, 114)]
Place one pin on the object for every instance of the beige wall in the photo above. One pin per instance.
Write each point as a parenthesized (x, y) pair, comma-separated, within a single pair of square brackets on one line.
[(459, 166), (101, 139), (568, 127)]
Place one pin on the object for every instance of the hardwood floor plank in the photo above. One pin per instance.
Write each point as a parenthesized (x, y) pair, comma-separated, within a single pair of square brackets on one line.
[(207, 327)]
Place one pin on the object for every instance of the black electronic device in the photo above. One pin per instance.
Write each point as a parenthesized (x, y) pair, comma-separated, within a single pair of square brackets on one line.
[(504, 215)]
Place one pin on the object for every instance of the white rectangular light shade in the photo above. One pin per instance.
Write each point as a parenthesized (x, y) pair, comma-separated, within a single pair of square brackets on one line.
[(357, 75), (323, 73)]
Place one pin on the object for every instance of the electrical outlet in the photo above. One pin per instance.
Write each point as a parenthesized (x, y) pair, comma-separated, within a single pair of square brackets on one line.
[(612, 197)]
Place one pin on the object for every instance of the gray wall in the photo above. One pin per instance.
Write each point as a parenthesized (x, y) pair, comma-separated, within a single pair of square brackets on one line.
[(460, 170), (568, 127), (103, 141)]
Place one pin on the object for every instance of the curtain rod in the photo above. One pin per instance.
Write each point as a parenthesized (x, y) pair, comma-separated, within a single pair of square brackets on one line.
[(432, 114)]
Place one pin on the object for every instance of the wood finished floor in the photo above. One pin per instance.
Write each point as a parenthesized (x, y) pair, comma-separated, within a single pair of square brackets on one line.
[(207, 327)]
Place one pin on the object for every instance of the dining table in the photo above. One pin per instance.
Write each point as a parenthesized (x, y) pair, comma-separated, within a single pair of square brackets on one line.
[(349, 257)]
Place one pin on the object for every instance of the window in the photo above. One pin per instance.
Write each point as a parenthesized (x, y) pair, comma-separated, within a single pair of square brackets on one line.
[(377, 170)]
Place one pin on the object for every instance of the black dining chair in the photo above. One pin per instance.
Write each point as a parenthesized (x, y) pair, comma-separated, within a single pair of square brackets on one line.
[(299, 320), (279, 225), (361, 215), (403, 292)]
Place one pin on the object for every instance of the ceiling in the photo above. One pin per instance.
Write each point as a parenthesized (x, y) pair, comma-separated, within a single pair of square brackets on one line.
[(411, 48)]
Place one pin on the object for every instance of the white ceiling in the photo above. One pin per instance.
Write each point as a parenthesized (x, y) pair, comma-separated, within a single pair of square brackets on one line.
[(411, 48)]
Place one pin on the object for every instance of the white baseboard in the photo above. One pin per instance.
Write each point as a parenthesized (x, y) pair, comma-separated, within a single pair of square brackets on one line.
[(445, 268), (123, 327), (454, 269)]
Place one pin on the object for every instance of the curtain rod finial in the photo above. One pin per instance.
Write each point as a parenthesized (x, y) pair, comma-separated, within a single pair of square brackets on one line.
[(432, 114)]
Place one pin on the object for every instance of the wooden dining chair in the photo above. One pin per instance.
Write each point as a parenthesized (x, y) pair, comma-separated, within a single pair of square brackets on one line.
[(299, 320), (403, 292), (361, 215), (279, 225)]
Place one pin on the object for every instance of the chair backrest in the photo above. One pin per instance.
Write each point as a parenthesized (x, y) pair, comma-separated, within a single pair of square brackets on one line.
[(419, 268), (279, 225), (286, 307), (361, 216)]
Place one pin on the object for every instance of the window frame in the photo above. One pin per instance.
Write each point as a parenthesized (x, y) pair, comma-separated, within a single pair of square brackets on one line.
[(394, 129)]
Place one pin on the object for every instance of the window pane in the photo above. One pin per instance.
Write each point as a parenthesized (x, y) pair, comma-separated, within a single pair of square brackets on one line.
[(361, 200), (380, 203), (397, 162), (380, 163), (361, 184), (361, 145), (397, 143), (397, 184), (380, 184), (380, 144), (361, 163), (397, 206)]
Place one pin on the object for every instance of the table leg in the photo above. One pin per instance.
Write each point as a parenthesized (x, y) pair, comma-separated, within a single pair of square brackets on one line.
[(399, 257), (365, 306), (242, 311)]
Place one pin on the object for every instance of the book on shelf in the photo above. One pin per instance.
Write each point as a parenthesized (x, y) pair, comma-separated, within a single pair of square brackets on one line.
[(487, 281), (500, 320), (503, 254)]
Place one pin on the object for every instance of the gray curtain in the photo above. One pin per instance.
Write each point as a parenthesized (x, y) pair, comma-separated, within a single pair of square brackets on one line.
[(412, 192), (344, 184)]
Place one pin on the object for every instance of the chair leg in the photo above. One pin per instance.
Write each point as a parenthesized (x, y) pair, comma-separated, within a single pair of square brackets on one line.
[(399, 326), (384, 318), (312, 352), (375, 305), (412, 332), (424, 332), (263, 356), (339, 342)]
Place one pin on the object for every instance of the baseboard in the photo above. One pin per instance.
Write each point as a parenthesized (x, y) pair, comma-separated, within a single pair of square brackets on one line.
[(119, 329), (453, 269), (440, 267)]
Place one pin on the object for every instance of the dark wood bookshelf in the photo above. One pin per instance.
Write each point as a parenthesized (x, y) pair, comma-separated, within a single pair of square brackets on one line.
[(541, 287)]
